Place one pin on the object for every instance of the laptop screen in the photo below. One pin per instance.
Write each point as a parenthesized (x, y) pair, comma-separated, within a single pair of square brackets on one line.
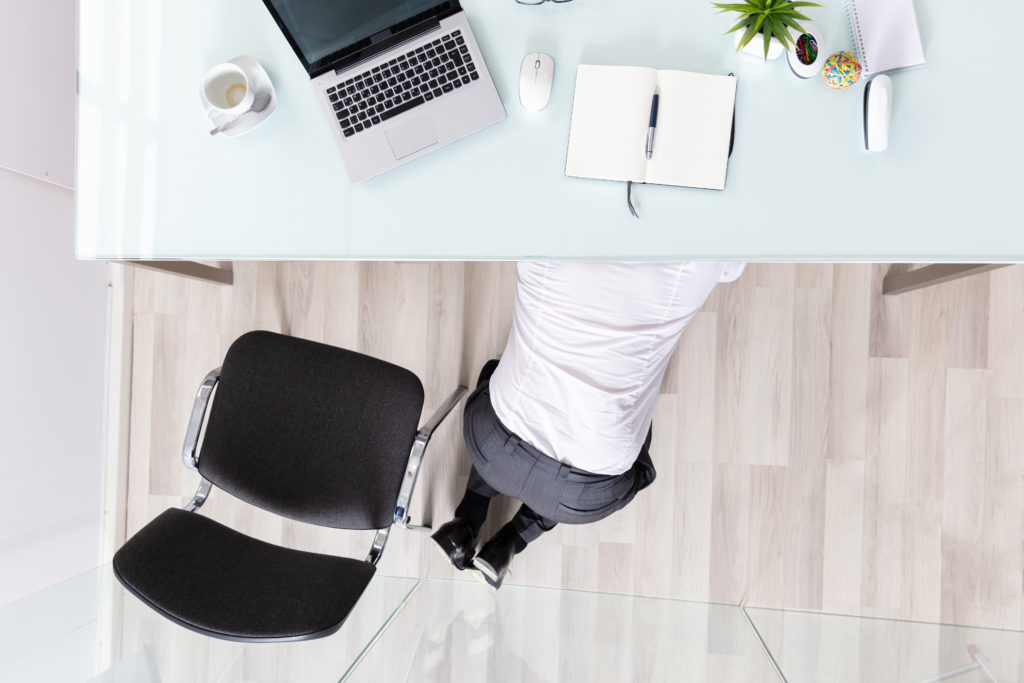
[(319, 29)]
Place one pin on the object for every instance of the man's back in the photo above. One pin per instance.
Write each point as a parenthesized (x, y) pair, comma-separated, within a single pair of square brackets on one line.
[(587, 352)]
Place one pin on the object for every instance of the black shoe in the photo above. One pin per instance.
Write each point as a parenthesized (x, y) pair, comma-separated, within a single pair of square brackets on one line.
[(495, 557), (455, 540)]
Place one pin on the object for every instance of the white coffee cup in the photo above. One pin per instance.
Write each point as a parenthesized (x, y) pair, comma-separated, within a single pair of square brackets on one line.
[(227, 90)]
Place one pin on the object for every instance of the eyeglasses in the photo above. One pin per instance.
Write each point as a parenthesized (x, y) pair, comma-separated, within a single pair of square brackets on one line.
[(540, 2)]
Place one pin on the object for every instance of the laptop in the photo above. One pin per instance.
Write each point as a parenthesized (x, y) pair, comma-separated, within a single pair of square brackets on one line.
[(396, 78)]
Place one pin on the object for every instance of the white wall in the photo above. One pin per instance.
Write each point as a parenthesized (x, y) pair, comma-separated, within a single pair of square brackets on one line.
[(52, 372), (53, 322)]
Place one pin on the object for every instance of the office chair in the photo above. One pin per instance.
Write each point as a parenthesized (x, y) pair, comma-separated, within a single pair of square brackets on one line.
[(310, 432)]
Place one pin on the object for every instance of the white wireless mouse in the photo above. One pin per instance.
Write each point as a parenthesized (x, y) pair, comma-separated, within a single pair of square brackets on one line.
[(877, 113), (535, 78)]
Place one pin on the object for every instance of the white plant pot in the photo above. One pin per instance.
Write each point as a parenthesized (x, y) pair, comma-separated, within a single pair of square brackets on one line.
[(755, 48)]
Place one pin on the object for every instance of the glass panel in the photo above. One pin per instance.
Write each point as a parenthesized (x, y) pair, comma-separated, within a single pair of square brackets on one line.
[(462, 631), (90, 629), (828, 648), (153, 184)]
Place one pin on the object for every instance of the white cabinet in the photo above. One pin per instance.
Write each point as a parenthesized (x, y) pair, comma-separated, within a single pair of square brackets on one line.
[(37, 88)]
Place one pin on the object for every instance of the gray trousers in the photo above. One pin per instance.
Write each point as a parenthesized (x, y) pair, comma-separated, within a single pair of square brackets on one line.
[(550, 491)]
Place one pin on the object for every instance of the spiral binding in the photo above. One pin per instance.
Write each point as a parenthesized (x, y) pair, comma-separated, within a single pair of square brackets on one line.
[(856, 35)]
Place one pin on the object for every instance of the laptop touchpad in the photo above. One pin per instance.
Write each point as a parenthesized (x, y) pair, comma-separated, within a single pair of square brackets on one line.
[(411, 137)]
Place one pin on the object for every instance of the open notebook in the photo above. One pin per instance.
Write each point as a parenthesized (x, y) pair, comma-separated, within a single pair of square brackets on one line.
[(885, 34), (610, 114)]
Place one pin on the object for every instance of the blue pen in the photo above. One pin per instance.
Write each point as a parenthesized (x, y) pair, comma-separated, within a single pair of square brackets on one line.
[(652, 125)]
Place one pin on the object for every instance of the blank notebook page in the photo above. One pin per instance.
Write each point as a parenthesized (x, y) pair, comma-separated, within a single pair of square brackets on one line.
[(610, 112), (691, 143), (886, 34)]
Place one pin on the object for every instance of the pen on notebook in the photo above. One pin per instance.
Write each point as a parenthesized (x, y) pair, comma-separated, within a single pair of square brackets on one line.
[(653, 124)]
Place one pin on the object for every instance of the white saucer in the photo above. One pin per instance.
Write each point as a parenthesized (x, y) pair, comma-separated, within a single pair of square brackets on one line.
[(261, 85)]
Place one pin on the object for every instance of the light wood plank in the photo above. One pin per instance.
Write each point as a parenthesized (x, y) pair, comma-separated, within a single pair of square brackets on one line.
[(804, 537), (1006, 329), (766, 537), (655, 509), (1001, 590), (692, 384), (730, 533), (815, 275), (884, 486), (754, 382), (844, 525), (964, 472), (889, 319), (922, 531), (844, 528), (968, 322), (851, 310), (693, 531)]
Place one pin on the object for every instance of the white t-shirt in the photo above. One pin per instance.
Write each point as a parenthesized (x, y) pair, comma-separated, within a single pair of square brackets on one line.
[(588, 349)]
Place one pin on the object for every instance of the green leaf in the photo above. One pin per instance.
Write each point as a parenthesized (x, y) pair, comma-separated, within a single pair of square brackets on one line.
[(747, 37), (792, 23), (780, 33), (743, 14), (745, 7), (795, 15), (786, 6), (760, 21), (742, 24), (768, 30)]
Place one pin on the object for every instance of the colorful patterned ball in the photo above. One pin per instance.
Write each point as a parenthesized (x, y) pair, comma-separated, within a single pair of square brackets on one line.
[(841, 70)]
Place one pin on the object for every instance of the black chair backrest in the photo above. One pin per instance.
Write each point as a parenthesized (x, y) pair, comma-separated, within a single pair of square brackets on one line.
[(311, 432)]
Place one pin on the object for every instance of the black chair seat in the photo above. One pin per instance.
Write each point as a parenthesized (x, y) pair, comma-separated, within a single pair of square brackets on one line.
[(214, 580)]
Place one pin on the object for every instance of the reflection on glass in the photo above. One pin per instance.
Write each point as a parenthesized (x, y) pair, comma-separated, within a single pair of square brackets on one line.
[(461, 631), (90, 629), (826, 648)]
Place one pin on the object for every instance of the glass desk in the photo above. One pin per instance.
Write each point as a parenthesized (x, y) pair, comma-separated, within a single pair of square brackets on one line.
[(153, 184), (810, 647), (89, 628), (460, 631)]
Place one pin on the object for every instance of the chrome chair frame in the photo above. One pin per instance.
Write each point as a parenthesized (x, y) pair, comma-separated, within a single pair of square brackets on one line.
[(190, 458)]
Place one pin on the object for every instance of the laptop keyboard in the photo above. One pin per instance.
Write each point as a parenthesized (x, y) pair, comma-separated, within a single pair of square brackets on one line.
[(395, 87)]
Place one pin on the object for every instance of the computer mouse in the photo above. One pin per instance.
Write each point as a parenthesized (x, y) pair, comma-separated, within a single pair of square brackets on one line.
[(877, 113), (535, 78)]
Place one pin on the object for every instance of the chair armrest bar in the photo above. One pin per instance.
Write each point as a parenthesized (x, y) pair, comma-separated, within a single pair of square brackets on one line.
[(195, 422), (419, 447), (202, 493), (442, 412), (380, 539)]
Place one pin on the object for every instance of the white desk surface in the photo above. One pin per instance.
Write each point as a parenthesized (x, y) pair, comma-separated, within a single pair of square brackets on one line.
[(152, 183)]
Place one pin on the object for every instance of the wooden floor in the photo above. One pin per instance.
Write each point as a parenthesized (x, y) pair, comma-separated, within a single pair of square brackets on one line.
[(818, 446)]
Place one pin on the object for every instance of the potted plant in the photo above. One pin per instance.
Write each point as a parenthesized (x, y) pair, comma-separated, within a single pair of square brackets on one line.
[(771, 18)]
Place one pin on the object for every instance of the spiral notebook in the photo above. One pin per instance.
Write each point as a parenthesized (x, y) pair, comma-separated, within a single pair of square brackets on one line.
[(885, 34), (610, 115)]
